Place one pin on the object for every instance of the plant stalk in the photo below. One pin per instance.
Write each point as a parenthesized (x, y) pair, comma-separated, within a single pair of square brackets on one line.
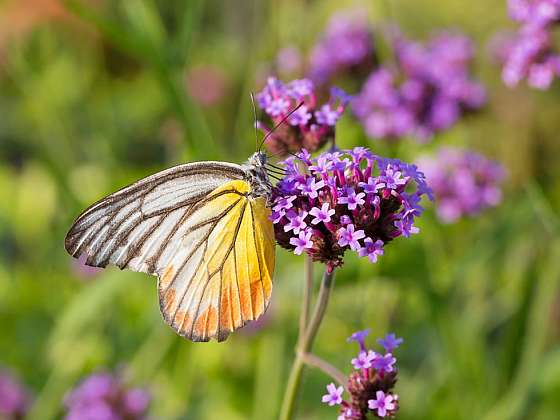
[(305, 345)]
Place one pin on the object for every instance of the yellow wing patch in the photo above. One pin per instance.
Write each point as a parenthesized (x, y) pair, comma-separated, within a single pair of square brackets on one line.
[(225, 278)]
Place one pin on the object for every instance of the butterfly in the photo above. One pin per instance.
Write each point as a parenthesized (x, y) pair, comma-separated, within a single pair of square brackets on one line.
[(203, 229)]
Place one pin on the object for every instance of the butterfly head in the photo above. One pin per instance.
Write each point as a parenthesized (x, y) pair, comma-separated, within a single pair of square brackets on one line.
[(255, 170)]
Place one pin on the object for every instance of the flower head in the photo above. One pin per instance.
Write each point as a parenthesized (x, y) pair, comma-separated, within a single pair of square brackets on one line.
[(347, 46), (310, 126), (14, 398), (464, 183), (106, 394), (427, 92), (370, 385), (346, 200)]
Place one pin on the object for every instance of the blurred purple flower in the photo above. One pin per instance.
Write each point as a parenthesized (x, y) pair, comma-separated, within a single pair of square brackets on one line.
[(83, 271), (427, 92), (464, 183), (14, 398), (206, 84), (390, 342), (529, 54), (370, 385), (358, 202), (535, 12), (347, 46), (103, 396), (309, 127), (289, 61)]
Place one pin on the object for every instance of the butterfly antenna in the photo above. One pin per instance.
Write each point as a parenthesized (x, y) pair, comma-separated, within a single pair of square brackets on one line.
[(282, 121), (255, 120)]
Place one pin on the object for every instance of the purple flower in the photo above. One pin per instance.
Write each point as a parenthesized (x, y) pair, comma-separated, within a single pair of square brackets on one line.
[(311, 187), (346, 46), (364, 360), (347, 413), (104, 396), (284, 203), (405, 227), (296, 221), (371, 249), (382, 403), (428, 90), (370, 384), (310, 126), (390, 342), (464, 183), (530, 53), (384, 363), (322, 214), (334, 395), (302, 242), (327, 116), (355, 194), (347, 236), (14, 398), (351, 199), (360, 338)]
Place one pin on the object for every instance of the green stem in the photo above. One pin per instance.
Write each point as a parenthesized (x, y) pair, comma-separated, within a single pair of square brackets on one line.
[(316, 362), (304, 347), (306, 302)]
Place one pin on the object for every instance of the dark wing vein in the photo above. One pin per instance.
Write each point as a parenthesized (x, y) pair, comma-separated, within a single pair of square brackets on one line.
[(211, 275)]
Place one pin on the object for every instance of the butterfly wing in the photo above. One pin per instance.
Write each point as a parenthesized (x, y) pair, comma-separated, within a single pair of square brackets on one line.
[(195, 227), (221, 278), (128, 226)]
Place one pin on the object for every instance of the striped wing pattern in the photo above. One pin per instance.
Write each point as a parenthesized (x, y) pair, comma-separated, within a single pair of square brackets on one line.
[(222, 276), (173, 224)]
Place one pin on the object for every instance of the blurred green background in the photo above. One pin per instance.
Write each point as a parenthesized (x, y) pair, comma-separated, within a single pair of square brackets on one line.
[(95, 94)]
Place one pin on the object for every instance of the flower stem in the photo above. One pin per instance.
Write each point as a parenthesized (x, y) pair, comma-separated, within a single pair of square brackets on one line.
[(315, 361), (305, 345), (306, 303)]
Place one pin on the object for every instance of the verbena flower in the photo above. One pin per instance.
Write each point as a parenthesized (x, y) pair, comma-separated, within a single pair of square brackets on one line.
[(310, 126), (464, 182), (14, 398), (427, 91), (347, 46), (289, 61), (345, 200), (370, 386), (535, 12), (103, 396), (530, 53)]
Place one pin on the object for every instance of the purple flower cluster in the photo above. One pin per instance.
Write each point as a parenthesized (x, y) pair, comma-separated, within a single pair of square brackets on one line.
[(530, 53), (347, 46), (370, 386), (427, 92), (464, 183), (310, 126), (14, 398), (345, 200), (103, 396)]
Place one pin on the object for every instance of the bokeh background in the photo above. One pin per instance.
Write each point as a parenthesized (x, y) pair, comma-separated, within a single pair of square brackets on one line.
[(95, 94)]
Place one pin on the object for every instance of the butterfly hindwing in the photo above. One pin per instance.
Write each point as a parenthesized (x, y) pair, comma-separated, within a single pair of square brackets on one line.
[(222, 277)]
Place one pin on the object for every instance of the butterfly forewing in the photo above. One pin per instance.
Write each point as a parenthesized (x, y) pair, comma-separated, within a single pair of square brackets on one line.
[(197, 229)]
